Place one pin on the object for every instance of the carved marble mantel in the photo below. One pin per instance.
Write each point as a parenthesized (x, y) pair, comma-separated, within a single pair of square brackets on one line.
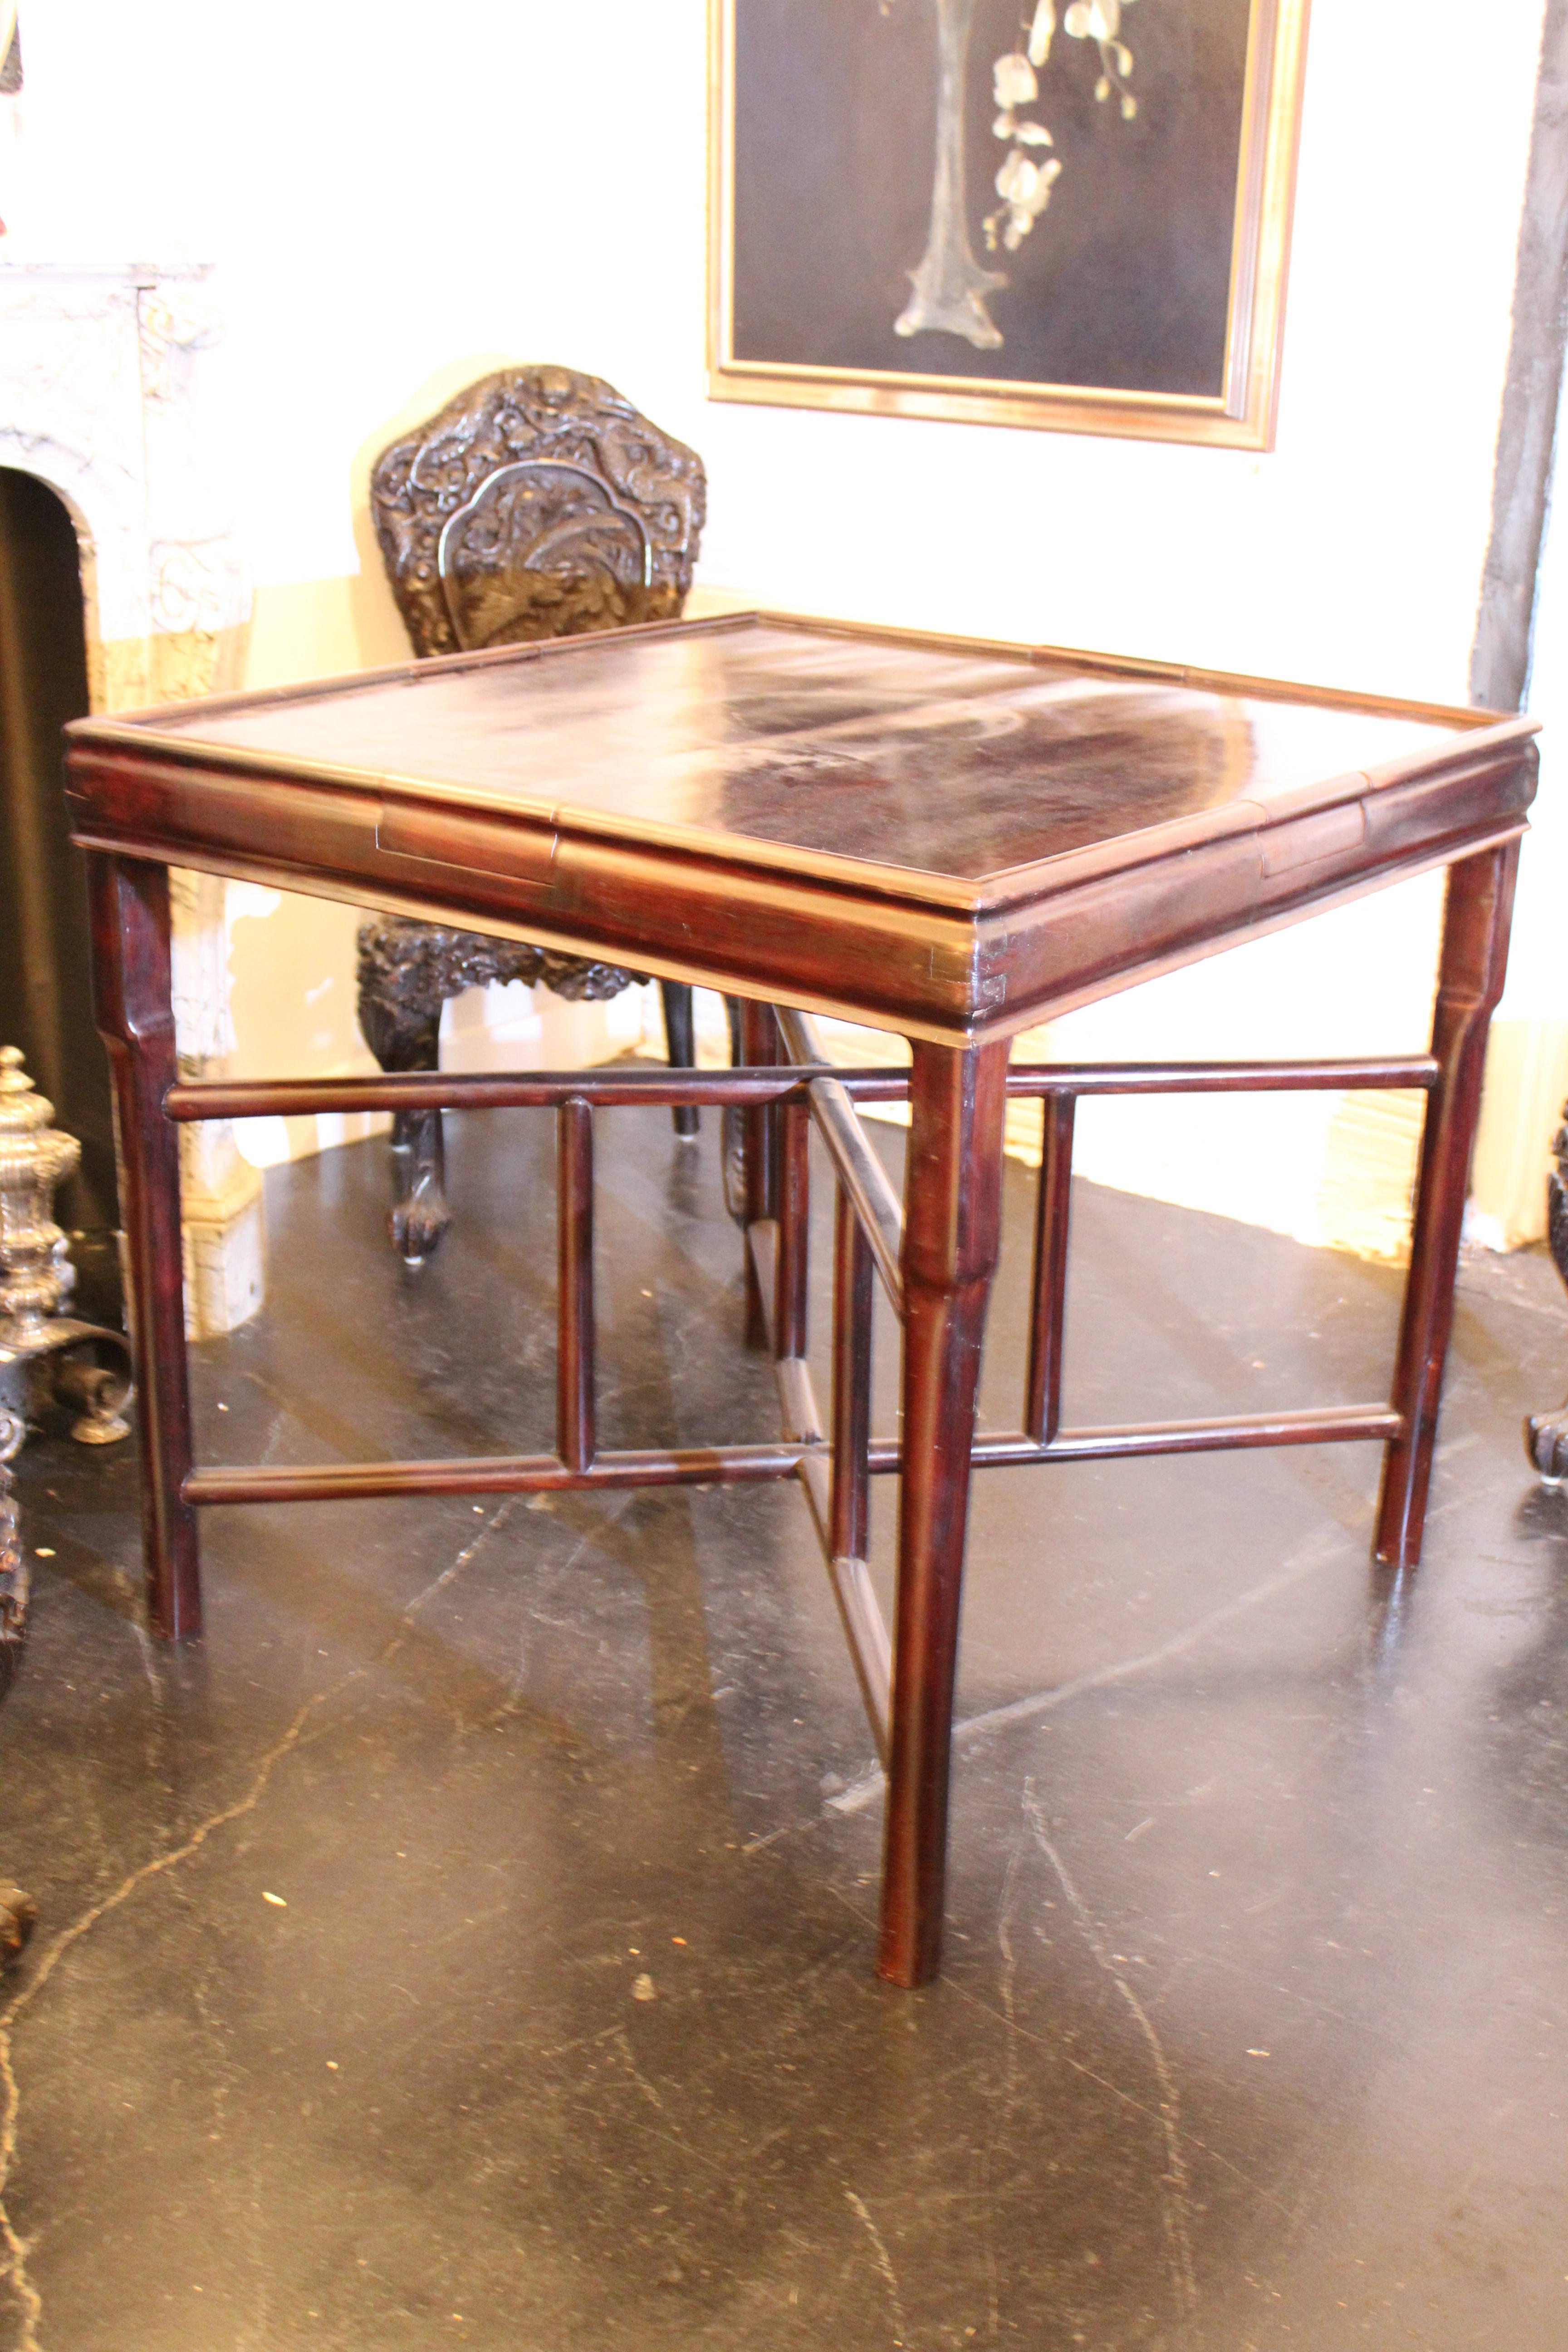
[(102, 397)]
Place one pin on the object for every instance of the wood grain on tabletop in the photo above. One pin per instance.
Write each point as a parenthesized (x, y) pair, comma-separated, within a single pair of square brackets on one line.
[(941, 760)]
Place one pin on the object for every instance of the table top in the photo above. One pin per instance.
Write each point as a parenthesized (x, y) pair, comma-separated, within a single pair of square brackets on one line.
[(960, 764), (961, 778)]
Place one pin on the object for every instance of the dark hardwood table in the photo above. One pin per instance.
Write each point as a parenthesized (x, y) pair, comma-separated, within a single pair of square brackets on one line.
[(947, 839)]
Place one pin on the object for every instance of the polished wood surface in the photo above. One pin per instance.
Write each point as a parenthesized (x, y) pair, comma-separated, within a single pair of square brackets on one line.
[(931, 836), (938, 838), (876, 752)]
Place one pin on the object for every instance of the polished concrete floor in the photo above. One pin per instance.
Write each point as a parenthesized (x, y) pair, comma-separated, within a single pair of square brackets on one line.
[(471, 1941)]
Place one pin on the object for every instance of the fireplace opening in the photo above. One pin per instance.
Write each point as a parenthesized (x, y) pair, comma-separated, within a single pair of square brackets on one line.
[(46, 1005)]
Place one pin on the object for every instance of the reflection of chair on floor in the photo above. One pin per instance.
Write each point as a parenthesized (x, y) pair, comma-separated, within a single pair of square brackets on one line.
[(1546, 1433), (537, 504)]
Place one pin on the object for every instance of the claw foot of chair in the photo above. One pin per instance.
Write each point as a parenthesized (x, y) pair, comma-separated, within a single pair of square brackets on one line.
[(419, 1214), (415, 1229)]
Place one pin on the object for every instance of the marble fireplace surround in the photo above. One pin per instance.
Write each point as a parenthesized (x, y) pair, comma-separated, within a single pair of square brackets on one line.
[(102, 398)]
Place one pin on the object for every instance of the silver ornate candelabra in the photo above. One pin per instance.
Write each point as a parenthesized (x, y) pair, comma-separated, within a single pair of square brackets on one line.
[(45, 1357)]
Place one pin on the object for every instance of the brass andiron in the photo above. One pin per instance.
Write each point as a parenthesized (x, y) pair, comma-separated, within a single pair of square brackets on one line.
[(46, 1358)]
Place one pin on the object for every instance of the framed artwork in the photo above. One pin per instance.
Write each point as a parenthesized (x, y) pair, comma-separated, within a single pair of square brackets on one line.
[(1071, 214)]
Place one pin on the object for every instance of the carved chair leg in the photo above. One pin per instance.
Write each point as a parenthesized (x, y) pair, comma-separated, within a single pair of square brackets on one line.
[(403, 1037), (681, 1046), (1546, 1433), (418, 1215)]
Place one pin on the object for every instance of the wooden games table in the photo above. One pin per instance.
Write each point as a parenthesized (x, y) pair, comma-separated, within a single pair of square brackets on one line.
[(948, 839)]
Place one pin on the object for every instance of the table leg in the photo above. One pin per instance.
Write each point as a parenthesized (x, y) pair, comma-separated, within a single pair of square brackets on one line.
[(952, 1218), (1469, 981), (760, 1049), (130, 903)]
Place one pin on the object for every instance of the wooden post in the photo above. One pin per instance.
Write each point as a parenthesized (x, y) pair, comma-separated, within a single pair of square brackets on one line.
[(952, 1218), (1469, 981), (850, 1512), (129, 909), (760, 1049), (1043, 1403), (576, 1437), (793, 1207)]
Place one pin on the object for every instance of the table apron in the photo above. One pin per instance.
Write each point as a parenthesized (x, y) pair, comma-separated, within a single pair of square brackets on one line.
[(934, 977)]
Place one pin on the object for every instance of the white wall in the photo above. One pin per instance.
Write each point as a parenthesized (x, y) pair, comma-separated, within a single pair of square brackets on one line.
[(398, 197), (390, 192), (1528, 1058)]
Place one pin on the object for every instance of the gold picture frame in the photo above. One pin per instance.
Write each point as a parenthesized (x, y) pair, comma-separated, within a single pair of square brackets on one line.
[(1234, 408)]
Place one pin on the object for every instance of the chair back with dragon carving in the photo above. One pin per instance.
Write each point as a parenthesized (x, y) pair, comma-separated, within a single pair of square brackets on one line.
[(538, 503)]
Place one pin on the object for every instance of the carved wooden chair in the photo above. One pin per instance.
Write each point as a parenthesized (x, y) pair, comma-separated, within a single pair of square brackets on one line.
[(538, 503)]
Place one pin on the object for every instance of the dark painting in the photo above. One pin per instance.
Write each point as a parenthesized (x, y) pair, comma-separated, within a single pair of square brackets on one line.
[(1120, 280)]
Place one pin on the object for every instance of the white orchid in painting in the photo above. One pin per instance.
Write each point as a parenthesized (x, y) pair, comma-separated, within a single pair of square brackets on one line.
[(949, 285), (1101, 21), (1023, 185), (1025, 189), (1013, 83)]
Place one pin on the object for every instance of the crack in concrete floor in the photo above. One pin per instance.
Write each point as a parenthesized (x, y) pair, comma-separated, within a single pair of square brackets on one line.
[(14, 2247)]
